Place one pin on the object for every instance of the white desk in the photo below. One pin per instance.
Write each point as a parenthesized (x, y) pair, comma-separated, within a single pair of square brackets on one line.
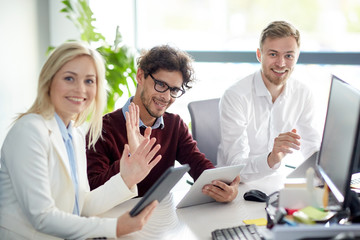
[(197, 222)]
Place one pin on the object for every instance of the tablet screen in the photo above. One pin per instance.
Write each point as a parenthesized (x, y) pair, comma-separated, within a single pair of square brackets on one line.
[(195, 196), (161, 187)]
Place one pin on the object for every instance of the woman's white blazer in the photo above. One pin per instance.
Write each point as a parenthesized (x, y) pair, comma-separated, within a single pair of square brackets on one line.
[(36, 190)]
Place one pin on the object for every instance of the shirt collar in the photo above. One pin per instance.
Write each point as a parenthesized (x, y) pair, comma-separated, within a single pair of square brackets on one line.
[(66, 133), (260, 87), (159, 122)]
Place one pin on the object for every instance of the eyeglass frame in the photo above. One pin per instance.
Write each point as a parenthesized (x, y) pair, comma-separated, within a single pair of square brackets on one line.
[(172, 89)]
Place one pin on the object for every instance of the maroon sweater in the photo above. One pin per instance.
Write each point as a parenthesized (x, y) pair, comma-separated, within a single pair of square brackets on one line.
[(176, 144)]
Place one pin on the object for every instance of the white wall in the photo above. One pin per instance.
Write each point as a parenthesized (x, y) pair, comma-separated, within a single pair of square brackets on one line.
[(61, 29), (27, 28), (19, 59)]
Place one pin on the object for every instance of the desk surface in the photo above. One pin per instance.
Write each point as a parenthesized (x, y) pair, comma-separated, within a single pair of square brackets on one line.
[(197, 222)]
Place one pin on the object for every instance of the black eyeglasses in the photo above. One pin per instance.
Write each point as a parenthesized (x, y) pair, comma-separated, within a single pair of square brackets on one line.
[(162, 87)]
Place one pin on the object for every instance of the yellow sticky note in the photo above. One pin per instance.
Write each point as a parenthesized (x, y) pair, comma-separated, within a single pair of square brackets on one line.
[(258, 222)]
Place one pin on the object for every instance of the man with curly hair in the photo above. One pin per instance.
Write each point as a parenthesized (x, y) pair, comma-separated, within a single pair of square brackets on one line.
[(164, 74)]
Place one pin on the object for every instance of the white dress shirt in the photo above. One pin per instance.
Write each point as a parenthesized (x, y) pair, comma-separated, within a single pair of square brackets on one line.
[(250, 121)]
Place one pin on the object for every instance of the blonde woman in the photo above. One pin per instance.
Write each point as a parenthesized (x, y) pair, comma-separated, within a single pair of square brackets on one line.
[(44, 190)]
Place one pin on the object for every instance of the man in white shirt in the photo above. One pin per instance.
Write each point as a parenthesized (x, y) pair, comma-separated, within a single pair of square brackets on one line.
[(267, 115)]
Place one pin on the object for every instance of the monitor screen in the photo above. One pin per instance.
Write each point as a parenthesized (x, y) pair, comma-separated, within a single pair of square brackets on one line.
[(339, 150)]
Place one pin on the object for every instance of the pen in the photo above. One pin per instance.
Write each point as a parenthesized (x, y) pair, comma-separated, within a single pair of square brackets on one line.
[(289, 166), (189, 182)]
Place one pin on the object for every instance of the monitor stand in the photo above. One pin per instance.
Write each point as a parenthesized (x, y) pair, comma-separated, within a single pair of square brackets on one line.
[(351, 214), (354, 205), (340, 217)]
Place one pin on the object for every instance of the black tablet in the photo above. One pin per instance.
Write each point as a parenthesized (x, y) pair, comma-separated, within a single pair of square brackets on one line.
[(161, 187)]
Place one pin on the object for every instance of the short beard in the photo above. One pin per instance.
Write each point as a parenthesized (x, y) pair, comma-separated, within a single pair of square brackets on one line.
[(277, 81), (143, 100)]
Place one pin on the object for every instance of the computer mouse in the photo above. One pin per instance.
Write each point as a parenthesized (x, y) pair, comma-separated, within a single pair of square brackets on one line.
[(255, 195)]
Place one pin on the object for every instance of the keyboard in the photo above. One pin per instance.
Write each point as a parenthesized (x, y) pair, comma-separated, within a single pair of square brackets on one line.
[(355, 180), (243, 232), (355, 183)]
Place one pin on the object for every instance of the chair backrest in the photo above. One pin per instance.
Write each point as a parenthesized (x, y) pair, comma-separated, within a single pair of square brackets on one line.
[(205, 126)]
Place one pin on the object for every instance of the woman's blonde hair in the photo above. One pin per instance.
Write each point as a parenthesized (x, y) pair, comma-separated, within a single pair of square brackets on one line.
[(59, 57)]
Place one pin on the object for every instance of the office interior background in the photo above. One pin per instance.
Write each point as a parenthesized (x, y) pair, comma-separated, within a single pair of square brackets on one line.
[(221, 35)]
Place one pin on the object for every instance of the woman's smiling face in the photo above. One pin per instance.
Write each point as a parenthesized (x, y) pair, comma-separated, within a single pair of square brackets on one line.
[(73, 87)]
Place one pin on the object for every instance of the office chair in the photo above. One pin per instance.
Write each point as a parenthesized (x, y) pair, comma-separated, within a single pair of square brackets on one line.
[(205, 126)]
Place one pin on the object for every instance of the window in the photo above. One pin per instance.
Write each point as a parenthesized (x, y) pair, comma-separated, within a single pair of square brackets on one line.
[(236, 25), (223, 36)]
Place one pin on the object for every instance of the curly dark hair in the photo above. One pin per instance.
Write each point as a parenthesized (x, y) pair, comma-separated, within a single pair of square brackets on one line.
[(168, 58)]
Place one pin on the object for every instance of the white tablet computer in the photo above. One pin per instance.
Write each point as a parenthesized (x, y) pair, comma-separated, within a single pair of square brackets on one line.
[(195, 196), (161, 187)]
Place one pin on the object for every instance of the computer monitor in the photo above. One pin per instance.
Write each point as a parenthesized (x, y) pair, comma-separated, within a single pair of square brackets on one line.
[(340, 149)]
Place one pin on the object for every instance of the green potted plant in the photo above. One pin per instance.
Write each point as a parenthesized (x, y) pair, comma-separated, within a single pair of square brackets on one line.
[(120, 59)]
